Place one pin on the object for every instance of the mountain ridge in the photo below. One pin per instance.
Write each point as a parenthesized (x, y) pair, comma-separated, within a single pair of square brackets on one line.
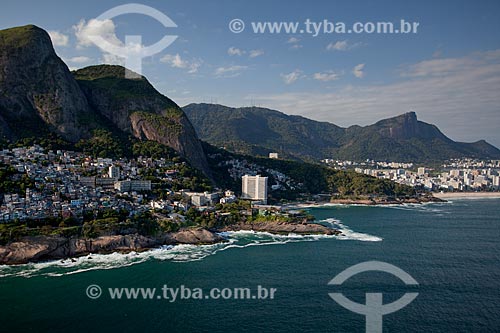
[(403, 137)]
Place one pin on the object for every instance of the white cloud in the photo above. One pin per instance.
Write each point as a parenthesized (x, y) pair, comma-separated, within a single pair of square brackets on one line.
[(295, 43), (291, 77), (326, 76), (463, 101), (235, 51), (337, 46), (79, 59), (112, 59), (84, 31), (255, 53), (358, 71), (230, 71), (341, 45), (58, 38), (439, 67), (176, 61)]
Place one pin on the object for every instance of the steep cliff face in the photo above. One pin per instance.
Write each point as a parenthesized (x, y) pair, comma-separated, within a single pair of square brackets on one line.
[(39, 95), (37, 92), (406, 126), (136, 107)]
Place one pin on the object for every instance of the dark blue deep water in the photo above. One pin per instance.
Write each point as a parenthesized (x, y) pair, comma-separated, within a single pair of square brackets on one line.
[(452, 250)]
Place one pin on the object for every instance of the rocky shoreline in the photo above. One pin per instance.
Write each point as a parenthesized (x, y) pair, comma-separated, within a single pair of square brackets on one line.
[(281, 228), (385, 201), (46, 248)]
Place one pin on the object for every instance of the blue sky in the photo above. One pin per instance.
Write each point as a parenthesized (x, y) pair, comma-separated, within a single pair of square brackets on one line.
[(448, 72)]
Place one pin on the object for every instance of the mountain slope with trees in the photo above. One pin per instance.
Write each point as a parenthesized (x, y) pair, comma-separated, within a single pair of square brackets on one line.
[(258, 131)]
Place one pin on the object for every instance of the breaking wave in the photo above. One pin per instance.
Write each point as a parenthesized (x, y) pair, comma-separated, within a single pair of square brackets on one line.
[(177, 253)]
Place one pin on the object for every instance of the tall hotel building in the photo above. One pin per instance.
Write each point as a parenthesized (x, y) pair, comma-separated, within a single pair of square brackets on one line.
[(254, 188)]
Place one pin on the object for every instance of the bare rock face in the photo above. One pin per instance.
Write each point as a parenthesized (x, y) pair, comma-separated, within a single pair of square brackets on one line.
[(136, 107), (406, 126), (37, 91), (196, 236), (31, 249), (285, 228), (40, 248)]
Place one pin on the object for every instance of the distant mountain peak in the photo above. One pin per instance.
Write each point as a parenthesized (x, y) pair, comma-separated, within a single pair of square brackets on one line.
[(403, 126), (401, 138)]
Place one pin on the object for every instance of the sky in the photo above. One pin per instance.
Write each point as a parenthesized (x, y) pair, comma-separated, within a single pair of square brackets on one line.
[(448, 72)]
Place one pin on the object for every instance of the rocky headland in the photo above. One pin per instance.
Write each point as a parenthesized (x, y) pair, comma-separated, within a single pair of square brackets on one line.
[(45, 248)]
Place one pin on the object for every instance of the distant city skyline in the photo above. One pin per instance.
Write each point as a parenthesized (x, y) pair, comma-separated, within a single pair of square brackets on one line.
[(448, 72)]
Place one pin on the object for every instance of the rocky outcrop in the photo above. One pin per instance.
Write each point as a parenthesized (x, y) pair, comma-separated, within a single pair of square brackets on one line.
[(284, 228), (195, 236), (44, 248), (39, 248), (37, 91)]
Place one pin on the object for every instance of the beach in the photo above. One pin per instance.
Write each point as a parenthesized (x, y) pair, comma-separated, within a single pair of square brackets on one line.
[(466, 195)]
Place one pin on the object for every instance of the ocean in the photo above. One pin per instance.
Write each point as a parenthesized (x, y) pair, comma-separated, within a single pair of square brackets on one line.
[(452, 250)]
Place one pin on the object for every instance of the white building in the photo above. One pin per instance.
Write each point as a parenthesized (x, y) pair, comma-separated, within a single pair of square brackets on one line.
[(202, 199), (114, 172), (199, 200), (133, 185), (273, 155), (496, 181), (254, 188)]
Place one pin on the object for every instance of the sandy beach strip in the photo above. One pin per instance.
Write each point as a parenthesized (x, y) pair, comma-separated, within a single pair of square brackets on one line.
[(466, 195)]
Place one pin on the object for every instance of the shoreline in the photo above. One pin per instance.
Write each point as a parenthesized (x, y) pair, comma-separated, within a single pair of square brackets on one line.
[(467, 195), (33, 249), (380, 202)]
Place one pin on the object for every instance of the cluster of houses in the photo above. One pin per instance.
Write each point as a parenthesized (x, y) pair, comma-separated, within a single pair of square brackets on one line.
[(69, 183), (455, 175)]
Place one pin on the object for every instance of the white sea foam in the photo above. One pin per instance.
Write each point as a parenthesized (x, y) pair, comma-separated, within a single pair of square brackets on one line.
[(178, 253), (348, 233), (425, 208)]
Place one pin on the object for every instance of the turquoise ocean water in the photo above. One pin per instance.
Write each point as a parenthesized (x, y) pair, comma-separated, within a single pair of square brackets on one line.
[(451, 249)]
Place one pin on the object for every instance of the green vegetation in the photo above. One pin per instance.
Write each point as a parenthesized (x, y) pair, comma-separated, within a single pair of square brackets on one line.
[(13, 182), (102, 144), (153, 149), (106, 222), (49, 141), (258, 131), (20, 36), (314, 178), (164, 126), (111, 80)]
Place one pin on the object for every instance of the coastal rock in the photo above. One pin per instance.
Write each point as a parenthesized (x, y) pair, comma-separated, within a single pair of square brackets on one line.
[(39, 248), (195, 236), (285, 228), (113, 243), (31, 249)]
